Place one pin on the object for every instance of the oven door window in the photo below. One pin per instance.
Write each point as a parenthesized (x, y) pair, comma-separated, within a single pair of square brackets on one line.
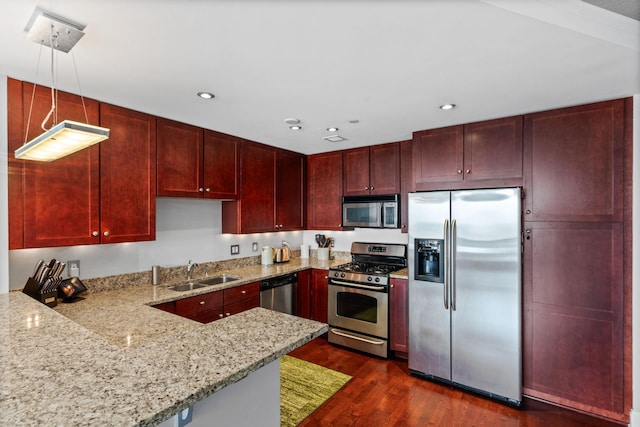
[(357, 306)]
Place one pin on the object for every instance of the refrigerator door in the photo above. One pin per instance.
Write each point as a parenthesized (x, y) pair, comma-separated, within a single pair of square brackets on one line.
[(486, 291), (429, 319)]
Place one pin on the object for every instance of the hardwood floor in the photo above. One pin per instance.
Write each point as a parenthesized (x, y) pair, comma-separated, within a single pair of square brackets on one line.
[(382, 393)]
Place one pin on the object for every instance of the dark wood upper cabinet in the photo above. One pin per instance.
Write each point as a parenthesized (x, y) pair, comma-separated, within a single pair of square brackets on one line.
[(574, 161), (127, 176), (15, 131), (371, 170), (221, 154), (324, 191), (476, 155), (62, 197), (290, 205), (193, 162), (180, 159)]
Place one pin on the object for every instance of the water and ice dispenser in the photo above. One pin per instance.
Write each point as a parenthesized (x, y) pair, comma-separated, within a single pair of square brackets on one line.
[(429, 259)]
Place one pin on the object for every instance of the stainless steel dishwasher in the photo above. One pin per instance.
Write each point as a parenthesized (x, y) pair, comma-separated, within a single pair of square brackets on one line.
[(279, 293)]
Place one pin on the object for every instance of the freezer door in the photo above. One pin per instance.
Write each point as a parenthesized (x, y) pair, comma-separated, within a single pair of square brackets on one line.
[(486, 291), (429, 318)]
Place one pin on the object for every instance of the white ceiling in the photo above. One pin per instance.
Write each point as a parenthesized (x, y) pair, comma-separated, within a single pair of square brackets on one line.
[(387, 64)]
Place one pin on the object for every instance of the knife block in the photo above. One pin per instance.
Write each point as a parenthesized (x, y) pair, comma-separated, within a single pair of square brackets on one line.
[(32, 288)]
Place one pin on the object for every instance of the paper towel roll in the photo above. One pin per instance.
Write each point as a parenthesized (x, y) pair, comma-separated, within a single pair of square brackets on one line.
[(304, 251)]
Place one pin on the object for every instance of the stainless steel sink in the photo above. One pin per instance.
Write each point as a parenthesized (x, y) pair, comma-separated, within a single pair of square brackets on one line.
[(216, 280), (184, 287)]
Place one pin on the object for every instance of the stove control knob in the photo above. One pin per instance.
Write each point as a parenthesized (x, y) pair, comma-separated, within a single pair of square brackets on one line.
[(377, 279), (341, 275), (369, 278)]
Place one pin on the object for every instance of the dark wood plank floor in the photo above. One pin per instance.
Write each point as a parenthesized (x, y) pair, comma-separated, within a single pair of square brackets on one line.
[(382, 393)]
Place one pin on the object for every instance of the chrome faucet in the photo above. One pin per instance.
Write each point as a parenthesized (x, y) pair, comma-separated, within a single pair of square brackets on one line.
[(190, 268)]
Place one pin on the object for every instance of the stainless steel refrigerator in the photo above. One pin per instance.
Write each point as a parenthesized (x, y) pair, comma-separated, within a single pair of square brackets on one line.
[(465, 250)]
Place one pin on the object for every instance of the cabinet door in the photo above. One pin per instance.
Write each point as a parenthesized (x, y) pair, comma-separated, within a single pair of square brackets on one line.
[(573, 315), (221, 166), (303, 295), (437, 157), (384, 168), (127, 176), (324, 191), (493, 149), (61, 198), (398, 315), (574, 163), (258, 179), (16, 129), (179, 154), (355, 172), (406, 184), (319, 295), (290, 191)]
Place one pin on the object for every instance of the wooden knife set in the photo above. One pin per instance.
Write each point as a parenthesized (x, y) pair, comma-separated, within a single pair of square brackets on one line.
[(46, 283)]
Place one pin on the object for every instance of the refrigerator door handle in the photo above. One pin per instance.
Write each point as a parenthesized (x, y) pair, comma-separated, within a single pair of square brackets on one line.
[(452, 255), (445, 286)]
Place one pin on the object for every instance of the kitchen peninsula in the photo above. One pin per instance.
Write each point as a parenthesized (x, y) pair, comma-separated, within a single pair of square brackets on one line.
[(114, 359)]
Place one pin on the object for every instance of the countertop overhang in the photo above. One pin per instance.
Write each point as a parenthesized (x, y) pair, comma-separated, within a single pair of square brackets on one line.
[(114, 359)]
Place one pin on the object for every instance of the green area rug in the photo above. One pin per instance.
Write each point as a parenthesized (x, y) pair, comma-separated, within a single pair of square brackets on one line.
[(304, 387)]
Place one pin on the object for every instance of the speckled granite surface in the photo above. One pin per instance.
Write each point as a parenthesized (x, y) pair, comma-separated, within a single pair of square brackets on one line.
[(111, 359)]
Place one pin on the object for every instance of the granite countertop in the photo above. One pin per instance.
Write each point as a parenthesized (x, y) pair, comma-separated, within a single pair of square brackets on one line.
[(113, 359)]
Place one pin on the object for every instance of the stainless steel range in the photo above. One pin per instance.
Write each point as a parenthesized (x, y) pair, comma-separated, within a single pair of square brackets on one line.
[(359, 297)]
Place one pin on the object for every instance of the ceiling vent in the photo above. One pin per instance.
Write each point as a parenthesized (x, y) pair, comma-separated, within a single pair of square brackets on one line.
[(334, 138)]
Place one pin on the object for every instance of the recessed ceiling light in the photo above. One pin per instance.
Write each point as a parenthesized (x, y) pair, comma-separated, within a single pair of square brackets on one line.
[(332, 129), (447, 106), (334, 138), (292, 121), (206, 95), (295, 127)]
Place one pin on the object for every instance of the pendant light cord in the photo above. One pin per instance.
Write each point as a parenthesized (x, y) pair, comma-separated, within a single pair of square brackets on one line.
[(33, 95), (53, 91)]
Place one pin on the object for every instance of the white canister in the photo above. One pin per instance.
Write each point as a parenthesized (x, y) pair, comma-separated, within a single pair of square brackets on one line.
[(323, 254), (267, 255), (304, 251)]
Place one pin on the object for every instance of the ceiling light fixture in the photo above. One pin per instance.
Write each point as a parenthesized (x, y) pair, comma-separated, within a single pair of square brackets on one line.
[(334, 138), (292, 121), (66, 137), (295, 127), (447, 106), (206, 95), (332, 129)]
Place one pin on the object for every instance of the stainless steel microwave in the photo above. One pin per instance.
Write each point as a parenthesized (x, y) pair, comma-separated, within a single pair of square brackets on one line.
[(371, 211)]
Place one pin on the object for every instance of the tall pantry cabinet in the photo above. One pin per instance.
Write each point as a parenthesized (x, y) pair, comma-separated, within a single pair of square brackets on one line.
[(577, 183)]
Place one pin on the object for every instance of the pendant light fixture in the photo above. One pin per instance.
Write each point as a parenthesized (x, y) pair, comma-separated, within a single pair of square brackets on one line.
[(68, 136)]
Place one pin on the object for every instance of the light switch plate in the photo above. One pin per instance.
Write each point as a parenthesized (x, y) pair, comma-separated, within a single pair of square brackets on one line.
[(73, 268), (235, 249), (254, 247)]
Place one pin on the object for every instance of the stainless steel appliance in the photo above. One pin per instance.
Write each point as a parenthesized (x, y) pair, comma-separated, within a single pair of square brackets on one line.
[(371, 211), (279, 293), (359, 297), (465, 290)]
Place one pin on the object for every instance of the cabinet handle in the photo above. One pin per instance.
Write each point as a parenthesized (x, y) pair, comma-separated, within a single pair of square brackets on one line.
[(208, 190), (201, 302), (528, 211), (221, 315), (391, 286), (228, 314), (95, 234), (366, 187), (468, 171), (373, 188), (280, 226), (459, 171), (106, 234), (201, 189), (243, 292)]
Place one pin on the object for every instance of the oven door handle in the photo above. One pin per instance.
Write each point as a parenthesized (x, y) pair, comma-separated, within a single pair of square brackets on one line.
[(355, 285), (342, 334)]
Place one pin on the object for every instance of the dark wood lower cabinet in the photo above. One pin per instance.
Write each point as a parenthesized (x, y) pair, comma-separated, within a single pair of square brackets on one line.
[(303, 294), (319, 295), (399, 317)]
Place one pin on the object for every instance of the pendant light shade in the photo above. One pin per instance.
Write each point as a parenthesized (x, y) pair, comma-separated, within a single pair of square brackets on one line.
[(61, 140), (68, 136)]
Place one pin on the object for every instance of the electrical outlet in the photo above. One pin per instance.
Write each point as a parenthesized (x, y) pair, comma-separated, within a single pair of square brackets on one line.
[(254, 247), (235, 249), (73, 268)]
